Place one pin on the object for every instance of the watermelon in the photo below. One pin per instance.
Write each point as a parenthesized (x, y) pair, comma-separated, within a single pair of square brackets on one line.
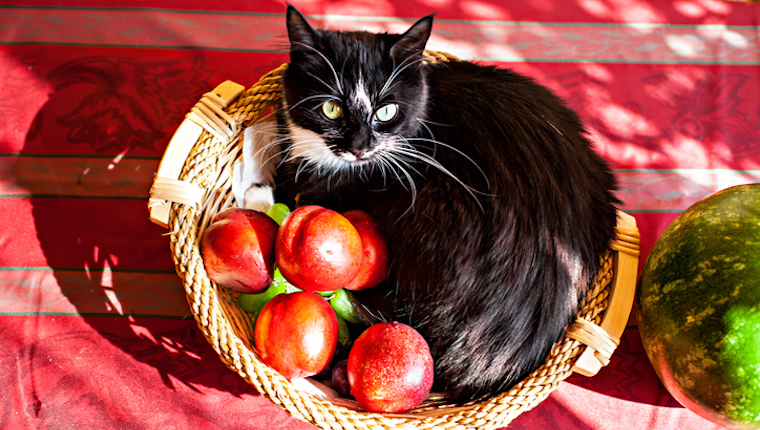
[(699, 307)]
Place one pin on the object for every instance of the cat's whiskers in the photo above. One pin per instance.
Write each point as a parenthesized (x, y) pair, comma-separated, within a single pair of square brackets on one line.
[(343, 66), (312, 156), (304, 163), (305, 148), (270, 147), (382, 166), (316, 96), (395, 73), (426, 121), (437, 143), (276, 155), (324, 83), (329, 63), (275, 149), (397, 162), (430, 132), (413, 190), (411, 152)]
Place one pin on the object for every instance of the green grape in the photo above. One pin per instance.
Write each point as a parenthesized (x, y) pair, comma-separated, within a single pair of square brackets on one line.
[(344, 334), (280, 280), (254, 303), (278, 212), (341, 303)]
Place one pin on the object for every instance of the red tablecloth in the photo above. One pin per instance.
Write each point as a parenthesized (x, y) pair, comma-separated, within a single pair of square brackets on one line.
[(95, 332)]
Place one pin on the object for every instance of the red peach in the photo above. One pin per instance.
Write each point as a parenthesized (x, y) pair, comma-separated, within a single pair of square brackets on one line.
[(318, 249), (390, 368), (238, 250), (374, 267), (296, 334)]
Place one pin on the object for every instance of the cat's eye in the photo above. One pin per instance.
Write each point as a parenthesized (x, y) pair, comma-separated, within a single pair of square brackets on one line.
[(332, 110), (387, 112)]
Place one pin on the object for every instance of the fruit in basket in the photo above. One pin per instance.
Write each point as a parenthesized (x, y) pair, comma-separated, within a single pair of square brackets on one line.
[(238, 250), (390, 368), (374, 266), (278, 212), (296, 334), (341, 302), (318, 249), (340, 378), (699, 307), (344, 333), (253, 303)]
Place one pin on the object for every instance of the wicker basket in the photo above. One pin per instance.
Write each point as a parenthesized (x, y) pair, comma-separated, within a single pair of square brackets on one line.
[(193, 183)]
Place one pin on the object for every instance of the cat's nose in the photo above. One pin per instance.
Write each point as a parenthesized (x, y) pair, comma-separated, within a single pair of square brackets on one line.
[(360, 149), (361, 141)]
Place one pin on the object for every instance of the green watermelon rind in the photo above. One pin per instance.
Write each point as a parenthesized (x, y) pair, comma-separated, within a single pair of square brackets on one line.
[(698, 301)]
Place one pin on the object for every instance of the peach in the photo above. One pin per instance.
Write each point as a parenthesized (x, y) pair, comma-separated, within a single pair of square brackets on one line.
[(296, 334), (390, 368), (238, 250), (374, 266), (318, 249)]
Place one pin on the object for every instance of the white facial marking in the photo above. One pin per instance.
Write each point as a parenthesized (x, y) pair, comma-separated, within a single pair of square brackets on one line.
[(312, 147), (361, 98), (381, 146)]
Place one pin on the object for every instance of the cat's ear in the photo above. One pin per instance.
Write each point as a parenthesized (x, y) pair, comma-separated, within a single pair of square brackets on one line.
[(412, 43), (303, 39)]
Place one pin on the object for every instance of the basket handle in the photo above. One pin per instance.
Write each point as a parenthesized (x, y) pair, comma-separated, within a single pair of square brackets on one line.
[(601, 340), (209, 115)]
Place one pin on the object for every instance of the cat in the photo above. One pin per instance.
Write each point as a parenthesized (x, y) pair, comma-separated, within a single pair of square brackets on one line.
[(495, 208)]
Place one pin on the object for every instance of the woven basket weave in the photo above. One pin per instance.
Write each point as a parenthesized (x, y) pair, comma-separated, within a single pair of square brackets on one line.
[(194, 183)]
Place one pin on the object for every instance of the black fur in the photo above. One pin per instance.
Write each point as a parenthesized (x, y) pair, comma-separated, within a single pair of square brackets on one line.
[(496, 224)]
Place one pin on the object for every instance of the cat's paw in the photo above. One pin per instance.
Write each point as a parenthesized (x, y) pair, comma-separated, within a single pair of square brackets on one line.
[(259, 197)]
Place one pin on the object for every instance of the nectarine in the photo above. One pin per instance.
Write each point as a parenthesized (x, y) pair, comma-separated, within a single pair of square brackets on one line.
[(374, 267), (238, 250), (390, 368), (318, 249), (296, 334)]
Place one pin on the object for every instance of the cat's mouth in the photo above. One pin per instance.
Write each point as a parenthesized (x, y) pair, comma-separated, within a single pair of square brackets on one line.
[(360, 157)]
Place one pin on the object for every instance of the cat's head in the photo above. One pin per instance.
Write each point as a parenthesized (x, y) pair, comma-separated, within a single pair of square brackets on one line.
[(351, 97)]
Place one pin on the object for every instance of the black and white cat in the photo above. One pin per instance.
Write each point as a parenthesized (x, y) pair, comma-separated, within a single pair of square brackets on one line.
[(495, 208)]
